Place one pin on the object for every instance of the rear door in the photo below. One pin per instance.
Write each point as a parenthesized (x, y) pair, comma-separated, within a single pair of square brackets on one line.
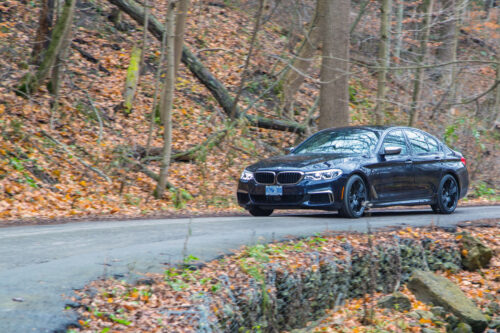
[(427, 159), (392, 176)]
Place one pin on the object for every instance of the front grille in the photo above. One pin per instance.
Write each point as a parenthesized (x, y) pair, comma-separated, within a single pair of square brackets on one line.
[(289, 177), (286, 199), (264, 177)]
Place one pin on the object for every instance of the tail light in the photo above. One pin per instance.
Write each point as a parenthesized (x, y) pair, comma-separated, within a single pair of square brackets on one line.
[(462, 159)]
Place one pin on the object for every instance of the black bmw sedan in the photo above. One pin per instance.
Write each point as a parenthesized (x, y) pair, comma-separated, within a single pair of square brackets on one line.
[(349, 169)]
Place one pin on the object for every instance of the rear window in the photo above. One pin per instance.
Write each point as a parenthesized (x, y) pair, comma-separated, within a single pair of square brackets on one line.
[(433, 144), (418, 142)]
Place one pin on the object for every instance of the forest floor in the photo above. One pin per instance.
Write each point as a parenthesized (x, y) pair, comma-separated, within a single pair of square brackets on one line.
[(109, 305), (52, 162)]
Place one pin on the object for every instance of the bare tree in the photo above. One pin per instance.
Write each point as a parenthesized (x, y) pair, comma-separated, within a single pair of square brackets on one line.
[(399, 29), (144, 36), (300, 64), (180, 23), (447, 30), (245, 74), (383, 60), (334, 92), (31, 82), (167, 99), (157, 85), (43, 32), (426, 9)]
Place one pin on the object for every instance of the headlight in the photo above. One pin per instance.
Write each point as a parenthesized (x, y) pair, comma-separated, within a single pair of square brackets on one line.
[(246, 175), (329, 174)]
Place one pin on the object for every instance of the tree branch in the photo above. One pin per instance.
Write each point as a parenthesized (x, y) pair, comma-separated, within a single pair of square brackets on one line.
[(218, 90)]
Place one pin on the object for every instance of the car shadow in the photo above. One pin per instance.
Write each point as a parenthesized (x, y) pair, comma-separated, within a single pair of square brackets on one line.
[(373, 212)]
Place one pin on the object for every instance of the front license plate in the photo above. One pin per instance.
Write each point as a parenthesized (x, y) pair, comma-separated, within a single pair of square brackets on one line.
[(274, 190)]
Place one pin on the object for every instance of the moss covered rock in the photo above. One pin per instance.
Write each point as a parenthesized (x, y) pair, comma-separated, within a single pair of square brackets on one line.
[(397, 301), (437, 290), (475, 254)]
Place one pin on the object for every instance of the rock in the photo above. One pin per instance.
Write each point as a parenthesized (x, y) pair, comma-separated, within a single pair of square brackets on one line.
[(421, 314), (462, 328), (429, 330), (439, 311), (495, 324), (437, 290), (397, 301), (474, 253)]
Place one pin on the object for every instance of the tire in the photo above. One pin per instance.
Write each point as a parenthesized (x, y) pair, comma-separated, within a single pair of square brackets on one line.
[(256, 211), (447, 195), (355, 194)]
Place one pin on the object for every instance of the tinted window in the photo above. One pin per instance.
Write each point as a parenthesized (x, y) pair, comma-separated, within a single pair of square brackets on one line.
[(418, 142), (346, 141), (433, 145), (395, 139)]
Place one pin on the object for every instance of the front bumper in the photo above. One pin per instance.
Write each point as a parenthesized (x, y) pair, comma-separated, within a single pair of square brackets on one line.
[(306, 194)]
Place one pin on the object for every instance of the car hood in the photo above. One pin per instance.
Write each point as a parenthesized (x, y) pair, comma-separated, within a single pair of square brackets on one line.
[(303, 162)]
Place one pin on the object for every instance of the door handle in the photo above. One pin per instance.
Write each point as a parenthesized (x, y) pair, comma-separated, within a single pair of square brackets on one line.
[(408, 161)]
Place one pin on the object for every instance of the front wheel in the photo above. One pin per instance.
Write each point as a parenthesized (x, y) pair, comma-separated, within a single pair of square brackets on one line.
[(256, 211), (447, 196), (355, 196)]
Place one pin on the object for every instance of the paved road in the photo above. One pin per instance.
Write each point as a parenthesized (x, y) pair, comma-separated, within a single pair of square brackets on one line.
[(41, 265)]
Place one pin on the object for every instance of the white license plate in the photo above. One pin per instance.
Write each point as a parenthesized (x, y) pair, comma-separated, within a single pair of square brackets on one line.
[(274, 190)]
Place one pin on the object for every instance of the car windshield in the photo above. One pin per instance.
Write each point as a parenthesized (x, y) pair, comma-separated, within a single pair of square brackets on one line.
[(343, 141)]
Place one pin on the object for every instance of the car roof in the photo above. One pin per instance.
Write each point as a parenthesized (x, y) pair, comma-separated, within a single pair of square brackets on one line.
[(378, 128)]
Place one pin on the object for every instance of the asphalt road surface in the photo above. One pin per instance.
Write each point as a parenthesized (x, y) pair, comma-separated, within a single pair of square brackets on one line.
[(40, 266)]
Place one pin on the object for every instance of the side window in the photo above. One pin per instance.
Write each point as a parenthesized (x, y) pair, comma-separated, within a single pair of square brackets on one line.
[(433, 145), (418, 142), (395, 139)]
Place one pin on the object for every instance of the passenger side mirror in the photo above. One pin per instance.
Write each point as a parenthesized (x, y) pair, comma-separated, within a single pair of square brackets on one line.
[(392, 151)]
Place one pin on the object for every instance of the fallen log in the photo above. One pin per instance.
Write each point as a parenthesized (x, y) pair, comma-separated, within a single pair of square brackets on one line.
[(216, 88)]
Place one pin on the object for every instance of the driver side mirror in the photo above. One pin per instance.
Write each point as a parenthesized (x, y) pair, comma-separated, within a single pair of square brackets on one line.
[(391, 151), (289, 149)]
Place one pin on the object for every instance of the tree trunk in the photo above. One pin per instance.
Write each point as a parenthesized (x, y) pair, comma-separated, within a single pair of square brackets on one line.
[(57, 71), (144, 38), (215, 87), (180, 23), (426, 9), (448, 36), (496, 106), (42, 38), (133, 73), (167, 100), (334, 93), (31, 82), (157, 84), (299, 66), (245, 73), (383, 60), (399, 30)]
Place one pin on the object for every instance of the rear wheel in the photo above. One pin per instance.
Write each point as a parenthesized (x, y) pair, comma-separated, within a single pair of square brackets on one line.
[(447, 196), (355, 195), (256, 211)]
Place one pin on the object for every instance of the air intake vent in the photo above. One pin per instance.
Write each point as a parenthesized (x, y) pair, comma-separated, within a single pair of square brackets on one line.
[(290, 177), (264, 177)]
